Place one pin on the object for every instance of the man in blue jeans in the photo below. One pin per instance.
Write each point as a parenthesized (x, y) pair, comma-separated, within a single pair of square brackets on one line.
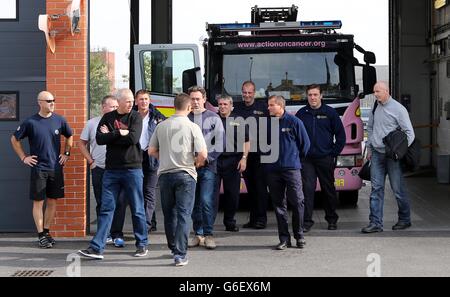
[(388, 116), (120, 131), (204, 213), (180, 147), (95, 157)]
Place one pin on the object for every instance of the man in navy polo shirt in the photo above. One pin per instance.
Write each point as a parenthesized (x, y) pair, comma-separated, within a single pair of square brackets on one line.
[(44, 130), (327, 136)]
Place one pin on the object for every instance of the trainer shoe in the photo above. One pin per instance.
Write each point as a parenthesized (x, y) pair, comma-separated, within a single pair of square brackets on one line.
[(50, 238), (44, 243), (301, 243), (210, 243), (181, 261), (90, 253), (109, 240), (401, 226), (119, 242), (141, 251), (198, 240)]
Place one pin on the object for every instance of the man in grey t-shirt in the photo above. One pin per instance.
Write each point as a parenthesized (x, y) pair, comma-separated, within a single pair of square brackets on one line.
[(180, 147)]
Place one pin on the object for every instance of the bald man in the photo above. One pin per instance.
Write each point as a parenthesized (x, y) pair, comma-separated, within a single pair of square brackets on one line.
[(44, 130), (120, 130), (387, 116)]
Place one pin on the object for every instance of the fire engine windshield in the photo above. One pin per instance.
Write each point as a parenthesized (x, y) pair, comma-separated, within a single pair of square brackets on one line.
[(286, 74)]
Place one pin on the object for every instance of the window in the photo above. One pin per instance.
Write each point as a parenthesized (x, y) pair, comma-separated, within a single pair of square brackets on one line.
[(286, 74), (163, 70), (9, 10)]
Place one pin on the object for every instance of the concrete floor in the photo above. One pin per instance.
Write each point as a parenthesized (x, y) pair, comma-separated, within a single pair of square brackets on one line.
[(422, 250)]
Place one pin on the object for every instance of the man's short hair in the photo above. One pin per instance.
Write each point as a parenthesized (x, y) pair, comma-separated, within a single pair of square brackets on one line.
[(142, 92), (226, 97), (249, 82), (107, 97), (314, 86), (197, 89), (121, 94), (279, 100), (182, 101)]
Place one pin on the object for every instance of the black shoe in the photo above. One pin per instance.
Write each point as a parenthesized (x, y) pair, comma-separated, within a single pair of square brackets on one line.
[(301, 243), (232, 228), (372, 228), (248, 225), (259, 225), (283, 245), (50, 238), (306, 229), (401, 226), (153, 228), (141, 251), (332, 226), (91, 253), (44, 243)]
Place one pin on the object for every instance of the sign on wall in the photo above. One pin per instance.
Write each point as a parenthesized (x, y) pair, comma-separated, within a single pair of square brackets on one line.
[(9, 106), (8, 9)]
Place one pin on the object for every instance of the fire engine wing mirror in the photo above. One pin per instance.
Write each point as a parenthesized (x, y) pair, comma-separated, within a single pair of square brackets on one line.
[(369, 58), (369, 79), (189, 78)]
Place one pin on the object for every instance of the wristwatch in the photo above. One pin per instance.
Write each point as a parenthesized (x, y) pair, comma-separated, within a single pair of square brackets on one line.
[(244, 157), (67, 153)]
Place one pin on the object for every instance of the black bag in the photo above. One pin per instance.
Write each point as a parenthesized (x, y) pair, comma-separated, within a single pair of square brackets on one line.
[(364, 173), (396, 144), (411, 161)]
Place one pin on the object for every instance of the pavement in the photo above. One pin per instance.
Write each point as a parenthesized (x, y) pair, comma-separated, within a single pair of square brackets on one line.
[(422, 250)]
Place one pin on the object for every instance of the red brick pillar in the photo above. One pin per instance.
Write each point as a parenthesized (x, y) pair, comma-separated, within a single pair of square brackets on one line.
[(67, 81)]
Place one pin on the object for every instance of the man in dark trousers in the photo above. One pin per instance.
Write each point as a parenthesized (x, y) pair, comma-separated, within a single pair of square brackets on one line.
[(121, 130), (151, 117), (233, 161), (44, 131), (327, 136), (284, 176), (254, 177)]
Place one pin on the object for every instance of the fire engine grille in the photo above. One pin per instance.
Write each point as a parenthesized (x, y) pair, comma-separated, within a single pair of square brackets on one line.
[(32, 273)]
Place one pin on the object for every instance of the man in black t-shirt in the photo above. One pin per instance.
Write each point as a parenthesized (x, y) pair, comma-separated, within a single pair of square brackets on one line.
[(254, 111), (44, 130), (233, 161)]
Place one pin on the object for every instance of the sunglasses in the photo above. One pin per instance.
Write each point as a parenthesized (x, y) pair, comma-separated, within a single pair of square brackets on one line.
[(49, 101)]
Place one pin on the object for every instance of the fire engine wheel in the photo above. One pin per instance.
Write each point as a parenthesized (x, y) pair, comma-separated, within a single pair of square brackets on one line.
[(348, 198)]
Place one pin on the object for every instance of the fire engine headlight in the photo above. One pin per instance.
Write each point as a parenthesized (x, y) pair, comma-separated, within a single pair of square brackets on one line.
[(345, 161)]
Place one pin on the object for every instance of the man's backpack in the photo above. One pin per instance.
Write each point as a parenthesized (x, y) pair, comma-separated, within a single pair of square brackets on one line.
[(396, 144), (411, 160)]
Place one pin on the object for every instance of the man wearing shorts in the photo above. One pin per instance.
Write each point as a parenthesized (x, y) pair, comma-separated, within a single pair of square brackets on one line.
[(44, 131)]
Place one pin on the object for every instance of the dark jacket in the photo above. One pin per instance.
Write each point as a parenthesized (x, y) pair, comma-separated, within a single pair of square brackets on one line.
[(396, 144), (154, 118), (293, 143), (122, 152), (323, 126)]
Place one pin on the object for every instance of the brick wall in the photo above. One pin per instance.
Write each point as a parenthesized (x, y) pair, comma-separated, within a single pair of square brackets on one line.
[(67, 81)]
